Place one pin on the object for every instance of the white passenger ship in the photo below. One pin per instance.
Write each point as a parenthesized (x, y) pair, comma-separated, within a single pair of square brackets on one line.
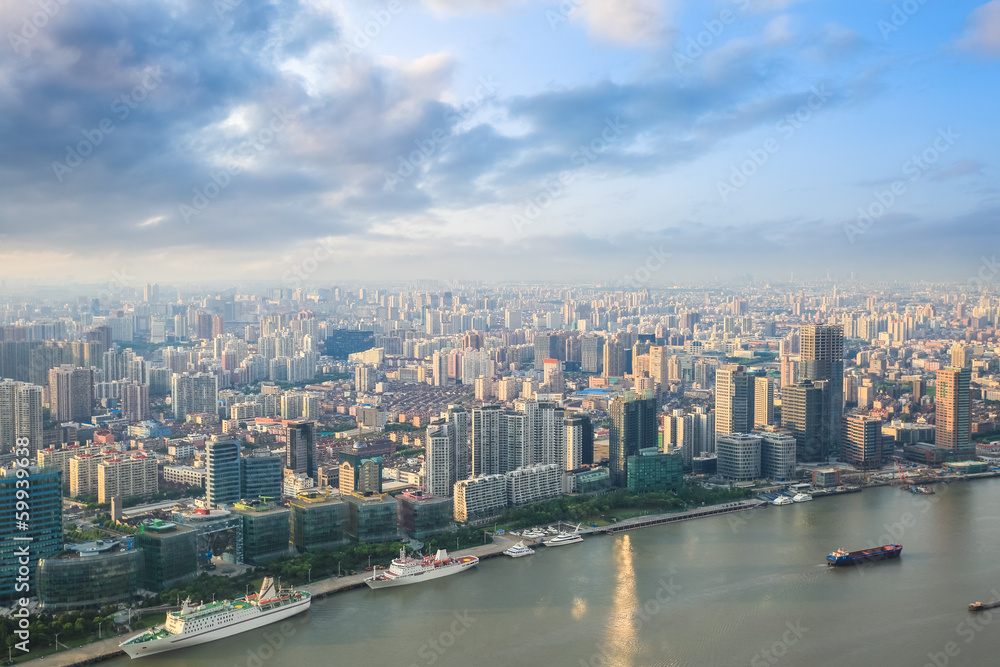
[(207, 622), (405, 570)]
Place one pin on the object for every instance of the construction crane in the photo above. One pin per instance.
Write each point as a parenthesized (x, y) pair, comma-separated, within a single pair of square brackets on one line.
[(902, 477)]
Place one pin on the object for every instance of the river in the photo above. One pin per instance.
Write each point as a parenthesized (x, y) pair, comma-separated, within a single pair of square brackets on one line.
[(745, 589)]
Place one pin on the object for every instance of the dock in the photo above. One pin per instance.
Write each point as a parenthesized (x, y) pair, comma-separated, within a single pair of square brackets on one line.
[(674, 517)]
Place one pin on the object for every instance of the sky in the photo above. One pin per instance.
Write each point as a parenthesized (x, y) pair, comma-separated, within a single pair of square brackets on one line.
[(621, 142)]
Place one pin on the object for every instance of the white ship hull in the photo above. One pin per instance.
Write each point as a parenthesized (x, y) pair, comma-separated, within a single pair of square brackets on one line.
[(562, 543), (435, 573), (171, 642)]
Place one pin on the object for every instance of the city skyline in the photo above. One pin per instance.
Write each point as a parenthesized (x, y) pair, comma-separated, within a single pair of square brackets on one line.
[(599, 141)]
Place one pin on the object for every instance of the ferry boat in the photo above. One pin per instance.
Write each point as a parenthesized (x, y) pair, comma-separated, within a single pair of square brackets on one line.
[(801, 498), (406, 570), (519, 550), (562, 539), (782, 500), (843, 557), (207, 622)]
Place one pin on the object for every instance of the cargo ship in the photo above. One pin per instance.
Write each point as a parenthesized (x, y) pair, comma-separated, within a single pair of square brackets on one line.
[(843, 557), (406, 570), (983, 606), (207, 622)]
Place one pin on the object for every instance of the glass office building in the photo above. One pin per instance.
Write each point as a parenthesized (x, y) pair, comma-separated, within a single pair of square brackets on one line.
[(41, 521), (70, 584)]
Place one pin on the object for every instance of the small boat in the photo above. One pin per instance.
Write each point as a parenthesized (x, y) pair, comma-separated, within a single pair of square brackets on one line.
[(924, 490), (519, 550), (801, 498), (562, 539), (782, 500)]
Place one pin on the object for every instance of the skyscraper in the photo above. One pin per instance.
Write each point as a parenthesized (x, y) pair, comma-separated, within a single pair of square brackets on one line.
[(951, 417), (822, 354), (71, 393), (633, 427), (20, 414), (734, 400), (44, 528), (862, 442), (300, 447), (802, 413), (135, 402), (614, 359), (222, 472), (763, 401), (193, 393)]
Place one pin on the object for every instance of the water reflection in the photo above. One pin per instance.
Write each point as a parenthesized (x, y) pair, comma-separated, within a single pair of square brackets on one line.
[(621, 635)]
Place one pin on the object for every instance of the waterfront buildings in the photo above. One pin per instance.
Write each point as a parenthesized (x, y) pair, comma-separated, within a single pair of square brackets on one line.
[(652, 470), (952, 413), (862, 446), (633, 427), (738, 456)]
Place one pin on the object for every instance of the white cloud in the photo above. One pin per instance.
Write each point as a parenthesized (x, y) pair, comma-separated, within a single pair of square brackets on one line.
[(627, 22), (982, 31)]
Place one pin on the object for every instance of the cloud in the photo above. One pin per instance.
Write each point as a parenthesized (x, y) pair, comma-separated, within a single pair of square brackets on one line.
[(957, 170), (627, 22), (982, 31)]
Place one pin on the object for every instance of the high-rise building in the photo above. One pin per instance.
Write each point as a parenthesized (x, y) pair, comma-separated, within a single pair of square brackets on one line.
[(71, 394), (480, 499), (614, 359), (734, 400), (545, 348), (125, 476), (652, 470), (591, 354), (777, 454), (822, 354), (300, 447), (135, 402), (802, 414), (763, 401), (193, 393), (261, 475), (222, 472), (960, 357), (579, 433), (438, 458), (738, 456), (20, 415), (951, 416), (633, 427), (862, 446), (360, 474), (44, 526)]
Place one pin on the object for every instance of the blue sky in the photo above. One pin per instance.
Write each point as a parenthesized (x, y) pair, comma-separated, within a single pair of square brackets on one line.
[(320, 140)]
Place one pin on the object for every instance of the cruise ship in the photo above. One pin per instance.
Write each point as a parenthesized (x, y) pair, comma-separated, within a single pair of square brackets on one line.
[(519, 550), (562, 539), (207, 622), (406, 570)]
